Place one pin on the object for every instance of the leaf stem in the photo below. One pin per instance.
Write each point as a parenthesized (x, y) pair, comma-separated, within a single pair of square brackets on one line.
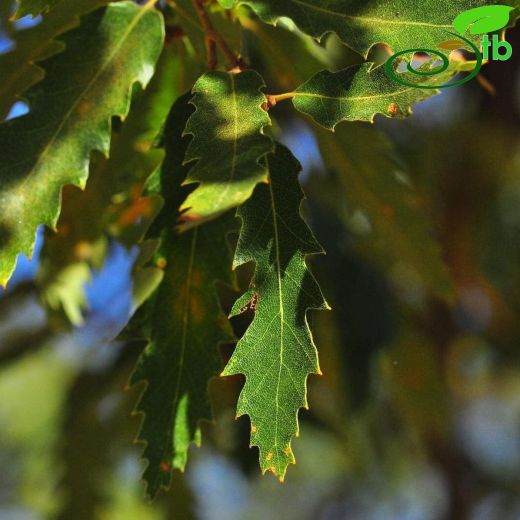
[(272, 100), (213, 35), (211, 50), (283, 97)]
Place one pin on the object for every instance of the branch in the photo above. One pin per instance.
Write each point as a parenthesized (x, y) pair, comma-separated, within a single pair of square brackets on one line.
[(214, 36), (211, 49)]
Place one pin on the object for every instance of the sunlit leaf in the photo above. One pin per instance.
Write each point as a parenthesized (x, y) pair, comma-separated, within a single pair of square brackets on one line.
[(112, 204), (70, 117), (402, 24), (360, 92), (277, 352), (228, 143)]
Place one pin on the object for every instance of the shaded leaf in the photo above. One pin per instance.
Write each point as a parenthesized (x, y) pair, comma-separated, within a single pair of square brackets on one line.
[(34, 44), (228, 143), (414, 383), (277, 353), (382, 204), (35, 7), (281, 50), (70, 117), (183, 322), (112, 204)]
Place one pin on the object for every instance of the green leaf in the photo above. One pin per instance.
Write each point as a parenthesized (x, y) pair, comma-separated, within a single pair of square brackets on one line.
[(380, 205), (70, 117), (145, 277), (358, 93), (184, 322), (277, 353), (288, 56), (34, 44), (228, 143), (112, 204), (401, 24), (185, 327)]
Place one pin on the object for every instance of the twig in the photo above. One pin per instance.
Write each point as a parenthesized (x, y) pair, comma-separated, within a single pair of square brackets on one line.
[(211, 49), (211, 34)]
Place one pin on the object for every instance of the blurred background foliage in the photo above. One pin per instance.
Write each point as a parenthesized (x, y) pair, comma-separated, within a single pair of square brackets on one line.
[(417, 415)]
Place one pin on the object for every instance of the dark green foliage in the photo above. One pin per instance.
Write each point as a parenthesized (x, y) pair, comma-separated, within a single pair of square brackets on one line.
[(156, 125)]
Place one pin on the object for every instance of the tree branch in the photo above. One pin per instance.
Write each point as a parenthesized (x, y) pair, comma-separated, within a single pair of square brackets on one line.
[(213, 35)]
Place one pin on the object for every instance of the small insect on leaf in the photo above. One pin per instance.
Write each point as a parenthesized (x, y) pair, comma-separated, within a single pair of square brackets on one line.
[(393, 109), (251, 304)]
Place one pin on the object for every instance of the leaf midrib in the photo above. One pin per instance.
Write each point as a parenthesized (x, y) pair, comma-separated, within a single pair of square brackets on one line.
[(368, 18), (352, 98), (185, 315), (185, 322), (281, 314)]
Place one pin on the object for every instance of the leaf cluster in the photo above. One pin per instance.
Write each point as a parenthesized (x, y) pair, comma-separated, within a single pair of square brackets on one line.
[(157, 126)]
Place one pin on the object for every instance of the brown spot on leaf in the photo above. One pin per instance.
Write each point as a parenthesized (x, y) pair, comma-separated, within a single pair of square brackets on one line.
[(85, 107), (187, 218), (197, 308), (387, 211), (196, 278), (393, 109), (142, 207), (141, 146)]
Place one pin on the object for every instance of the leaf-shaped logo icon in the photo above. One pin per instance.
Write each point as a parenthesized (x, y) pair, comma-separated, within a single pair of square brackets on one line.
[(483, 19)]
